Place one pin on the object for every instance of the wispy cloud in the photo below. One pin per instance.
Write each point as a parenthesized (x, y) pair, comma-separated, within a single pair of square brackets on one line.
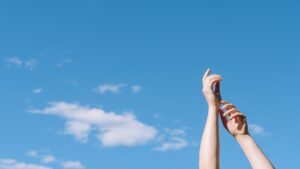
[(32, 153), (117, 88), (136, 88), (30, 64), (257, 129), (16, 61), (112, 129), (44, 158), (63, 62), (157, 116), (174, 143), (174, 140), (13, 164), (74, 82), (110, 88), (48, 159), (38, 91), (72, 165)]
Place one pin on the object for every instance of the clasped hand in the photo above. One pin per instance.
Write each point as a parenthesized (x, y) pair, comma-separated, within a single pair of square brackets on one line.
[(233, 120)]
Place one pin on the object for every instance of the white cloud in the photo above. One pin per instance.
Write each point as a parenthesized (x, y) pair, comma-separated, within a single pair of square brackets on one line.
[(80, 130), (136, 88), (112, 129), (257, 129), (175, 141), (109, 88), (72, 165), (48, 159), (38, 91), (29, 64), (13, 164)]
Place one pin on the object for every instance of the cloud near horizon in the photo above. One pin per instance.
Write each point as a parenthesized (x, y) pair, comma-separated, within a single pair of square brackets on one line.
[(50, 159), (13, 164), (72, 165), (112, 129)]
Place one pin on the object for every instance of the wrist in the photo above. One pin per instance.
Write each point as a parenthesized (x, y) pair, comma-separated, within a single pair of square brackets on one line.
[(242, 138), (213, 108)]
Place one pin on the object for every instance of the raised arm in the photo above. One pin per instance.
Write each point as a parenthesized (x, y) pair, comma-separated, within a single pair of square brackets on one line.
[(209, 148), (236, 124)]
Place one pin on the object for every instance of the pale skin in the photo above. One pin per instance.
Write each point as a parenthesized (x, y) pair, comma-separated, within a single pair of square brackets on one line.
[(233, 121)]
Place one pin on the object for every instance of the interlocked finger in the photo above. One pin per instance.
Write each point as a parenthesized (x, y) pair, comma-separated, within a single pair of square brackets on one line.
[(230, 111), (235, 115), (227, 106)]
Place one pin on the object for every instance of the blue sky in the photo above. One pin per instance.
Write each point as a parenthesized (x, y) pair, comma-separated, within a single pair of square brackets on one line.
[(109, 84)]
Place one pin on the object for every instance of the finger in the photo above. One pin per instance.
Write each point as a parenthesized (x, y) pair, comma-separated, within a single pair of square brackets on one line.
[(209, 82), (223, 102), (227, 106), (212, 80), (210, 77), (230, 111), (206, 74), (235, 115)]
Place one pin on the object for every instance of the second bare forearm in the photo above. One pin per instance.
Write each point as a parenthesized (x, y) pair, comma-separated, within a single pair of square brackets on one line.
[(254, 154), (209, 148)]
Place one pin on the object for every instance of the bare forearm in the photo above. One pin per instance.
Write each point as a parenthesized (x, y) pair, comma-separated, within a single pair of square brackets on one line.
[(209, 148), (254, 154)]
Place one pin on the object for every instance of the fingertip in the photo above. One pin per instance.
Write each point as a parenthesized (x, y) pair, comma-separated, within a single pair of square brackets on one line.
[(206, 73)]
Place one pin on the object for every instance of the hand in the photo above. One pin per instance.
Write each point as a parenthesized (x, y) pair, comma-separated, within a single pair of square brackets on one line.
[(212, 96), (236, 124)]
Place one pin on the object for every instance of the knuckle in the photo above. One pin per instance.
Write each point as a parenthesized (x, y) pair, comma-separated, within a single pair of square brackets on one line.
[(228, 105), (233, 109)]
